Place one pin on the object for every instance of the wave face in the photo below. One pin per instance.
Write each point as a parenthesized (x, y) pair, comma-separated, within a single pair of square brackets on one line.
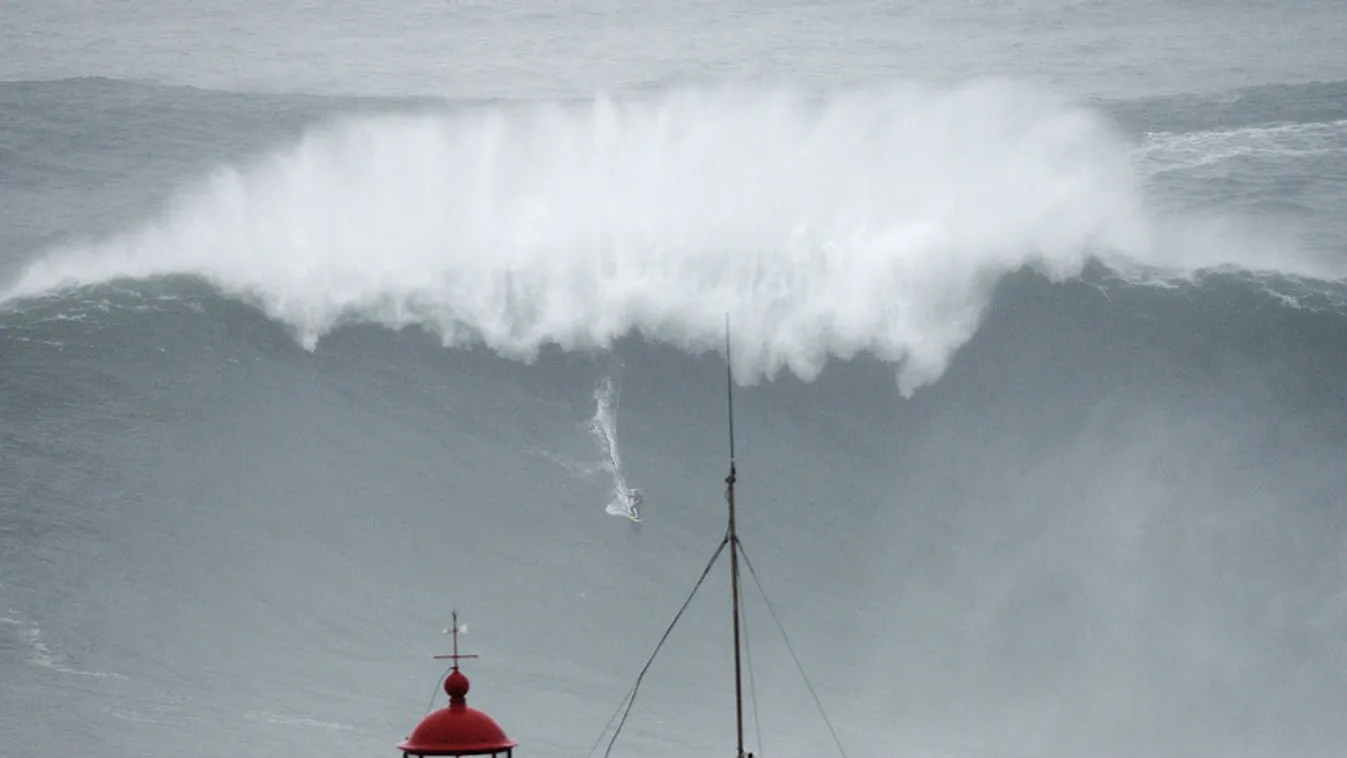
[(243, 483), (824, 227)]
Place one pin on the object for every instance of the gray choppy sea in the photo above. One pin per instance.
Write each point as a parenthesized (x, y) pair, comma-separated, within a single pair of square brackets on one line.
[(317, 323)]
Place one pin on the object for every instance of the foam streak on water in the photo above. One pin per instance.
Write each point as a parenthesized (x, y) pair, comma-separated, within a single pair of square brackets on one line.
[(873, 222), (604, 428)]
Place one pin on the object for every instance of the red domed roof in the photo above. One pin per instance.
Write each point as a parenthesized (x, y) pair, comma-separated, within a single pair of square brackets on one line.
[(457, 729)]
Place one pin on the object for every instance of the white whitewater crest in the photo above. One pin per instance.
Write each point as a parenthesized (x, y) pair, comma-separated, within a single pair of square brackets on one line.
[(826, 226), (1188, 150), (626, 501)]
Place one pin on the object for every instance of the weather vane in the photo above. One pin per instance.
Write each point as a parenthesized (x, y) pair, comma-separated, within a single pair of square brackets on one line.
[(455, 655)]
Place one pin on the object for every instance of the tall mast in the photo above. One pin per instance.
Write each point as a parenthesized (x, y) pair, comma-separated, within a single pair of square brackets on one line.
[(734, 549)]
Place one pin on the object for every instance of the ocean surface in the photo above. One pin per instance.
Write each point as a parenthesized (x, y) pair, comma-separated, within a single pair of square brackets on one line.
[(321, 320)]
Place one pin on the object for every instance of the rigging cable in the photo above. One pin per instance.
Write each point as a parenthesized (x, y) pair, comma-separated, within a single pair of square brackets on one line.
[(659, 645), (435, 692), (611, 719), (752, 686), (748, 652), (790, 648)]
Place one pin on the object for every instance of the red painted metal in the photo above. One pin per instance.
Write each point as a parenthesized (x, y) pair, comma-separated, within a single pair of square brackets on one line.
[(457, 729)]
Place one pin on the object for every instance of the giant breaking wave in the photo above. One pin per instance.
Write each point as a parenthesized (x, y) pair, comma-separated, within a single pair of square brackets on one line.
[(869, 222)]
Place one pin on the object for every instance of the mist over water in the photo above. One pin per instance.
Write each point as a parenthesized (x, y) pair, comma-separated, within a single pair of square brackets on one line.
[(1039, 408)]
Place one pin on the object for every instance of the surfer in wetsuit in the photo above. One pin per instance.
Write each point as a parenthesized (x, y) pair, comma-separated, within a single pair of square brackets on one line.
[(634, 503)]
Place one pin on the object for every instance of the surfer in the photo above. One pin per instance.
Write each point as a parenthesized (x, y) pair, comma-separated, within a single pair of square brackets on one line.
[(634, 501)]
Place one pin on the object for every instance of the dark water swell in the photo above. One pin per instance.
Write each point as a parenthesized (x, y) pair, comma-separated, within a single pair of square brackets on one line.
[(1117, 506)]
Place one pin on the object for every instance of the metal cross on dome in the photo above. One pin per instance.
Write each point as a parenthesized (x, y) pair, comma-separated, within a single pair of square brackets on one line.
[(455, 657)]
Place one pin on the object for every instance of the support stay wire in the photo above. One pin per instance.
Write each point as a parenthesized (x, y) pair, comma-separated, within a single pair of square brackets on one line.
[(630, 699), (808, 684), (752, 685)]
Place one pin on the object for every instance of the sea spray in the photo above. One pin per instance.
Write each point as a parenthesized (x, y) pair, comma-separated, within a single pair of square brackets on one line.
[(874, 222)]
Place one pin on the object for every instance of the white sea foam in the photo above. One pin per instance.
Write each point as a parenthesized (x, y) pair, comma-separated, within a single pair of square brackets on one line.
[(1184, 151), (867, 222)]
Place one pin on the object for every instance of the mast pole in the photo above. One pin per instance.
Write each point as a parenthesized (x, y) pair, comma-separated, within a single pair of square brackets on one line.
[(734, 549)]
